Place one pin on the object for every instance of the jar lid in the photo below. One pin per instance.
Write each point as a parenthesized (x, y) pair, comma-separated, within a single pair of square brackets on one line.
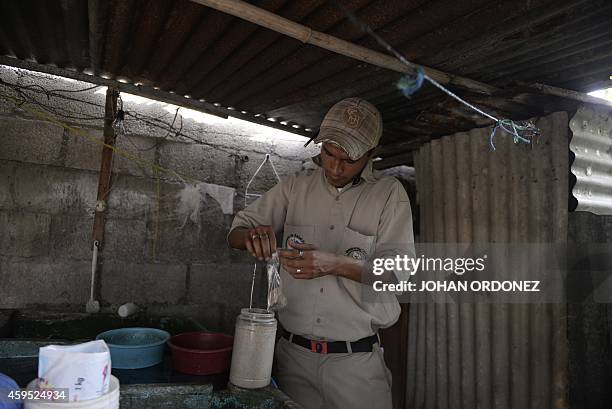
[(257, 314)]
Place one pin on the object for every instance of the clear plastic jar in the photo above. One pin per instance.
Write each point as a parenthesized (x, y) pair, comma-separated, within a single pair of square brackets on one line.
[(253, 350)]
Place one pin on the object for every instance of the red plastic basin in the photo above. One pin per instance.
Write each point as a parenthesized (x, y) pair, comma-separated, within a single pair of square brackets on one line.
[(201, 353)]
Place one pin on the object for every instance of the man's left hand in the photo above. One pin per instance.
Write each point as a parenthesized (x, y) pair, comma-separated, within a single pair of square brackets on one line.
[(306, 262)]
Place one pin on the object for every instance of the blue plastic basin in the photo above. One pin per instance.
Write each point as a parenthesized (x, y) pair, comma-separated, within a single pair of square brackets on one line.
[(134, 348)]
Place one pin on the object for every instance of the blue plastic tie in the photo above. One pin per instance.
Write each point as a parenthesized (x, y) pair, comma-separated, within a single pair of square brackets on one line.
[(515, 131), (410, 84)]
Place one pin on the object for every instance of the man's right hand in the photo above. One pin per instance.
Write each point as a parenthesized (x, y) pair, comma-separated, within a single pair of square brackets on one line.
[(260, 242)]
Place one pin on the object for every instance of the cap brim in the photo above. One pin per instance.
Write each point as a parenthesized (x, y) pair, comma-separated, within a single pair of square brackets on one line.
[(353, 148)]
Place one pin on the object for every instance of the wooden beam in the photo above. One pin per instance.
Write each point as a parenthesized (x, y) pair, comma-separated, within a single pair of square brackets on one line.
[(306, 35), (569, 94), (106, 165)]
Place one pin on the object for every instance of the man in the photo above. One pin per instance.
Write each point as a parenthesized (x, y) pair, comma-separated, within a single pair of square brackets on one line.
[(332, 220)]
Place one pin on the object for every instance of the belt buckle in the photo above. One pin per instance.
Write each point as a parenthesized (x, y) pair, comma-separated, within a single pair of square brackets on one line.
[(319, 347)]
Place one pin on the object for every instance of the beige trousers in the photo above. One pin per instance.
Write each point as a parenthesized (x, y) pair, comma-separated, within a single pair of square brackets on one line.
[(333, 381)]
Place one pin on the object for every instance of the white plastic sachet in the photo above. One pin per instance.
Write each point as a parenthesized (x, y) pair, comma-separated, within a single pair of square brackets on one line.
[(276, 298), (83, 369)]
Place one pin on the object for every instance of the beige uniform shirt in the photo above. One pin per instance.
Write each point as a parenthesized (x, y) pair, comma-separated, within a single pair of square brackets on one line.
[(369, 218)]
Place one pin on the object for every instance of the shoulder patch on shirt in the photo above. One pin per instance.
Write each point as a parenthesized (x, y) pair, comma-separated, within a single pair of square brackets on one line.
[(356, 253), (296, 238)]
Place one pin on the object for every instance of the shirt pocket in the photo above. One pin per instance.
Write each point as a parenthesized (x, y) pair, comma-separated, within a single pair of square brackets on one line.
[(299, 233), (357, 245)]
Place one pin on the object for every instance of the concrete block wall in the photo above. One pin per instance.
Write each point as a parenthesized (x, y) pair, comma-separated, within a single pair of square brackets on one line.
[(48, 187)]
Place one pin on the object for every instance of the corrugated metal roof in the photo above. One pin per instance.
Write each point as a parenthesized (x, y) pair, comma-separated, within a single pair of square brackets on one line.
[(189, 49), (592, 167)]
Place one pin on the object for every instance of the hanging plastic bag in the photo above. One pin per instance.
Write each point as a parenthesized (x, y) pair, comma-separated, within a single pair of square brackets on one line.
[(276, 298), (84, 369)]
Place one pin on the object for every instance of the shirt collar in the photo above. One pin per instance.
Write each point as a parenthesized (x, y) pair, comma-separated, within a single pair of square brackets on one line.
[(366, 174)]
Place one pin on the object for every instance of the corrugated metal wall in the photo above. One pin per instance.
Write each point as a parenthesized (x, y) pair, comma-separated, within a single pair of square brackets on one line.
[(485, 355), (592, 146), (590, 326)]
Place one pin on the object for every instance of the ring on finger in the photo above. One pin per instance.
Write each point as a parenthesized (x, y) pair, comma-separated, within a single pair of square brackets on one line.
[(254, 236), (263, 235), (299, 270), (301, 253)]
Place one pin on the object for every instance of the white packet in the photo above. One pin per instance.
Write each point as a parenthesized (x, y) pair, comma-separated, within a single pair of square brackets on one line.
[(276, 298), (84, 369)]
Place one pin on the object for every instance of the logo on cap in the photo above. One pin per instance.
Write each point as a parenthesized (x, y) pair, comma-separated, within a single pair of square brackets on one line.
[(352, 117)]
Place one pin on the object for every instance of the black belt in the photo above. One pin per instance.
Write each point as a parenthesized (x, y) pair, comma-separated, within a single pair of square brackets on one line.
[(334, 347)]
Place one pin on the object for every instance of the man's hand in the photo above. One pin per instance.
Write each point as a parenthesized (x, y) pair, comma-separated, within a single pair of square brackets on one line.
[(305, 262), (260, 242)]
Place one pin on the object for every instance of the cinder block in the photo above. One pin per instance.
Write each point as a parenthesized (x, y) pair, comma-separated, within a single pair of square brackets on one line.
[(189, 241), (7, 108), (7, 170), (81, 152), (199, 162), (24, 234), (124, 239), (123, 282), (131, 197), (30, 141), (51, 189), (37, 282), (71, 236), (139, 147), (226, 283), (174, 242)]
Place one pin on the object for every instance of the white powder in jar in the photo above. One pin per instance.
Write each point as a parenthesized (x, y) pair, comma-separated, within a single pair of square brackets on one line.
[(253, 351)]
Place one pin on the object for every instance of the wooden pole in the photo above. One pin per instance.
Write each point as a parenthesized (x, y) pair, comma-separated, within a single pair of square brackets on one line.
[(106, 165), (306, 35), (569, 94)]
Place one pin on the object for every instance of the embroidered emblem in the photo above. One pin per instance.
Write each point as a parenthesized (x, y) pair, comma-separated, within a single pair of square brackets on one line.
[(357, 253), (352, 118), (296, 238)]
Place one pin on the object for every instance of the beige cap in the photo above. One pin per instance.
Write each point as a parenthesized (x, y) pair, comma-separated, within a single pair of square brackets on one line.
[(354, 125)]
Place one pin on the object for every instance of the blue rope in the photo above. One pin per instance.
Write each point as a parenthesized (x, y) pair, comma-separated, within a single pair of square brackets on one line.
[(410, 84)]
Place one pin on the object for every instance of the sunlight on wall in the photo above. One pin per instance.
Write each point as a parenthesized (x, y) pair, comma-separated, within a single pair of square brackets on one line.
[(257, 132)]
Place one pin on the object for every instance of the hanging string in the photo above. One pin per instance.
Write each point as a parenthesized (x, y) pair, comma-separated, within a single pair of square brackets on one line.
[(266, 159), (521, 132), (253, 285)]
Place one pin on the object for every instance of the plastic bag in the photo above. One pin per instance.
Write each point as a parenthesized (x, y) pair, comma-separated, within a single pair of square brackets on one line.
[(84, 369), (276, 298)]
